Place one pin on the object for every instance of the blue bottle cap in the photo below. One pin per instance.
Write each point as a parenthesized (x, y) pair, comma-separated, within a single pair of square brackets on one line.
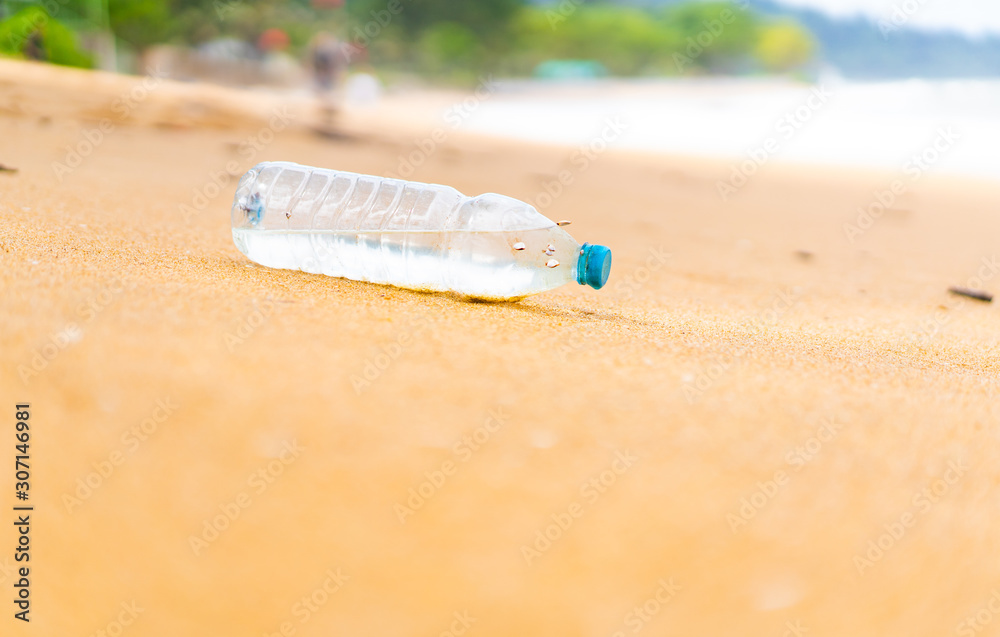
[(594, 266)]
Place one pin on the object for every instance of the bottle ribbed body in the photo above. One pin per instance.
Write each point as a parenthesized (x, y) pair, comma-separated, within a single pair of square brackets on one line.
[(389, 231)]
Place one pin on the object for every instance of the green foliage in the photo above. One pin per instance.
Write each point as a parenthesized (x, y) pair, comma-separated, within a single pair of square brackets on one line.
[(140, 23), (625, 41), (33, 28), (732, 30), (686, 38), (718, 36), (485, 18), (448, 47), (61, 47), (459, 39)]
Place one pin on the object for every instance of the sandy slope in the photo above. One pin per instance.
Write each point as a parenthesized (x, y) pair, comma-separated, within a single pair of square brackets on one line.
[(827, 390)]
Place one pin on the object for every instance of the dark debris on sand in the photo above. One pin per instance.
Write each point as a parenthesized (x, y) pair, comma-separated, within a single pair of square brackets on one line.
[(978, 295)]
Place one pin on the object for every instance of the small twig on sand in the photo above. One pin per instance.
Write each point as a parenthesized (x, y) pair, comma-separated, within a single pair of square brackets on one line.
[(978, 295)]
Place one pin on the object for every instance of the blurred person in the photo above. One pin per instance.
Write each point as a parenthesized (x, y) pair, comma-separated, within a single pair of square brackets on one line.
[(328, 60)]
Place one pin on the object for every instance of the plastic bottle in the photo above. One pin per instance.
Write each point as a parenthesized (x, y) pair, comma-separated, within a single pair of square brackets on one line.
[(407, 234)]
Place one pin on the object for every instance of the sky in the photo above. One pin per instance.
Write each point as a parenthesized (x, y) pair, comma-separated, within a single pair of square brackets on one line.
[(969, 16)]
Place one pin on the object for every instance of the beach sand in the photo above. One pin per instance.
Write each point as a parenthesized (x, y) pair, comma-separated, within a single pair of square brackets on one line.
[(760, 426)]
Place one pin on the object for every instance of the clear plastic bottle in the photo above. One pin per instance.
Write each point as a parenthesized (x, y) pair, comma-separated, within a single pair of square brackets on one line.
[(407, 234)]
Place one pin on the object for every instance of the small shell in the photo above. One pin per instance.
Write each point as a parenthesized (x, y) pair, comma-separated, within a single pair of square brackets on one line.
[(551, 263), (519, 245), (550, 250), (563, 223)]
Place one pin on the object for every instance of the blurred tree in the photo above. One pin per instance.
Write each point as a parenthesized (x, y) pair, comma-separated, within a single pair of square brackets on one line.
[(140, 23), (717, 35), (464, 39), (447, 47), (784, 46), (626, 41), (32, 33), (438, 37), (485, 18)]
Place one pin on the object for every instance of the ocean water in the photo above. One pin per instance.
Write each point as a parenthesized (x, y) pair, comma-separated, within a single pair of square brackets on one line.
[(948, 127)]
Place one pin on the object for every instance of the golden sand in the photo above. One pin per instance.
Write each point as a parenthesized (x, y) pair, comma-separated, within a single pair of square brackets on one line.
[(713, 444)]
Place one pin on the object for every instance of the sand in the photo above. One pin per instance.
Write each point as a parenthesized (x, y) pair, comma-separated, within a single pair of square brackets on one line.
[(759, 427)]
